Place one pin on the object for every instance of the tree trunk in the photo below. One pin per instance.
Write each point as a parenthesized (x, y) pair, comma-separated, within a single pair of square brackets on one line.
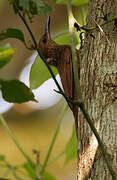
[(99, 88)]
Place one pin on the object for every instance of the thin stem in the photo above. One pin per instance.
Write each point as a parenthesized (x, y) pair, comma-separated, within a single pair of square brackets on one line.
[(27, 26), (93, 28), (53, 140), (2, 120), (83, 15), (55, 158)]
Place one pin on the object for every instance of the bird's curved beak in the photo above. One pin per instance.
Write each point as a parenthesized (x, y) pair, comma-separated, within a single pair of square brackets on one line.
[(47, 27)]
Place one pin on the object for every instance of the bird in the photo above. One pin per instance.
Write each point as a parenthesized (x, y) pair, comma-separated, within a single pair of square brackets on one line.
[(60, 56)]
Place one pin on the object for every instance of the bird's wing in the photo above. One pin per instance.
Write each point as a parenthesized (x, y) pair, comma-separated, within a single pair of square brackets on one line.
[(66, 71)]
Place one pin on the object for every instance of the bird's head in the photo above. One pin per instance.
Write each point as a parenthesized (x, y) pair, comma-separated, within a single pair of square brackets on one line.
[(47, 46), (45, 40)]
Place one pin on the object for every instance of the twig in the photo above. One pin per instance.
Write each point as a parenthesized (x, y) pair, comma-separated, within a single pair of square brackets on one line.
[(102, 32), (53, 140), (101, 25), (55, 158)]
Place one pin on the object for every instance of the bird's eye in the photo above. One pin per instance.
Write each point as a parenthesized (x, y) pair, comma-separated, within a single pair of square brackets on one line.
[(44, 40)]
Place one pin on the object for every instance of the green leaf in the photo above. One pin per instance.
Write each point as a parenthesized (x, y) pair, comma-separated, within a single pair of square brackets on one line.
[(24, 4), (48, 176), (74, 2), (15, 91), (12, 33), (63, 38), (4, 179), (42, 7), (71, 147), (32, 7), (39, 73), (32, 173), (30, 170), (2, 157), (6, 55)]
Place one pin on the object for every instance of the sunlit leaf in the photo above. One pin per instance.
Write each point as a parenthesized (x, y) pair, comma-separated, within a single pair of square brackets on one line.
[(15, 91), (6, 56), (71, 147), (63, 39), (74, 2), (12, 33), (39, 73)]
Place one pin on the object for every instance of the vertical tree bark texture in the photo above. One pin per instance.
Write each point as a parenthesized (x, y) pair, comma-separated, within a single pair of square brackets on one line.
[(99, 88)]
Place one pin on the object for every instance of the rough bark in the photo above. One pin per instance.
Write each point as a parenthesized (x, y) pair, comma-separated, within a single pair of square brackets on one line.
[(99, 88)]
